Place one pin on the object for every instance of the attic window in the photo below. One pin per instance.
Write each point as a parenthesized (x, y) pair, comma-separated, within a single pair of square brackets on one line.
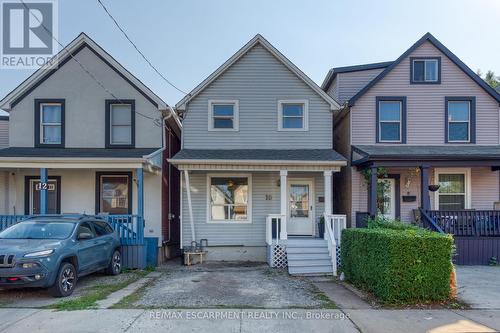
[(425, 70)]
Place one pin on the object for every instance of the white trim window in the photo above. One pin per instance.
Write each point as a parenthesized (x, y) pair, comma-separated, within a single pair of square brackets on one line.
[(229, 198), (223, 115), (390, 121), (51, 123), (455, 189), (425, 70), (293, 115), (120, 124)]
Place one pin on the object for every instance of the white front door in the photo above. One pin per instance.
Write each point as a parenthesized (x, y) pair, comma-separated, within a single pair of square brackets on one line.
[(386, 201), (300, 207)]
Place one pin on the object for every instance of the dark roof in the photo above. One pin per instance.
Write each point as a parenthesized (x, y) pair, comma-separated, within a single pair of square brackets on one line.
[(332, 73), (430, 38), (498, 88), (411, 152), (5, 118), (298, 155), (76, 152)]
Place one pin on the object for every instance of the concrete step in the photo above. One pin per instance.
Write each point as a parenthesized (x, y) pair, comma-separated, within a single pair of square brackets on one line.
[(309, 250), (309, 262), (308, 256), (319, 270)]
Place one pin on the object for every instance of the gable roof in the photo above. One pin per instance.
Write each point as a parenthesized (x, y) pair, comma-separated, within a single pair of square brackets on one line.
[(428, 37), (257, 40), (78, 44), (332, 73)]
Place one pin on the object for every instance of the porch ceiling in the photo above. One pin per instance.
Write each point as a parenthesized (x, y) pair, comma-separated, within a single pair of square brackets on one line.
[(259, 159), (413, 155)]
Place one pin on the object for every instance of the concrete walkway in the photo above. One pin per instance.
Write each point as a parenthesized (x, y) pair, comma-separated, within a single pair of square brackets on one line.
[(251, 320), (479, 286)]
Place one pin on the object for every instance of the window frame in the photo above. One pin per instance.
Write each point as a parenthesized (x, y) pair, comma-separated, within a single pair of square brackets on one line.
[(249, 202), (305, 114), (236, 114), (468, 184), (412, 67), (38, 122), (472, 118), (99, 175), (108, 132), (402, 127)]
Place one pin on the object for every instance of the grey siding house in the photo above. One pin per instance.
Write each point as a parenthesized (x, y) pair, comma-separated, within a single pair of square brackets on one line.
[(424, 130), (257, 160), (86, 144)]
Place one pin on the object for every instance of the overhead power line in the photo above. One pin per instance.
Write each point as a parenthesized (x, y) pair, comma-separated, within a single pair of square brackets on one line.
[(156, 121), (139, 51)]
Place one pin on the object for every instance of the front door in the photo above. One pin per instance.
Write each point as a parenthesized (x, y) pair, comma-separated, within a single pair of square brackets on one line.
[(33, 195), (386, 198), (300, 207)]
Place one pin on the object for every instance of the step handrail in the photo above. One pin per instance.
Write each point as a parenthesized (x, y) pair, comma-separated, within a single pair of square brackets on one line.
[(334, 224)]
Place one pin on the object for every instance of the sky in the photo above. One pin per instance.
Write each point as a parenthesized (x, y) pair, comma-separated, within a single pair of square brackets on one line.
[(188, 39)]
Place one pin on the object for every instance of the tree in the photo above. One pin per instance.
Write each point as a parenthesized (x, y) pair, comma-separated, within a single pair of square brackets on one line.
[(490, 78)]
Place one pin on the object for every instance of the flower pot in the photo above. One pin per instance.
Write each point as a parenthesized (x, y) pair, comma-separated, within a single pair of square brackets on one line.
[(321, 230)]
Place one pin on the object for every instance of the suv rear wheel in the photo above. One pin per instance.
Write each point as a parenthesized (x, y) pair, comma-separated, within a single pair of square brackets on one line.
[(65, 281), (115, 264)]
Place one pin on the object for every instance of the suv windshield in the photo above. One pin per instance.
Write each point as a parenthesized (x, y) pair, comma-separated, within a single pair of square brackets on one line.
[(38, 230)]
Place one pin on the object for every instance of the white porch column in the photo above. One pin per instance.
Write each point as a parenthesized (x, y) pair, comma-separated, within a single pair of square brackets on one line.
[(283, 203), (190, 205), (328, 192)]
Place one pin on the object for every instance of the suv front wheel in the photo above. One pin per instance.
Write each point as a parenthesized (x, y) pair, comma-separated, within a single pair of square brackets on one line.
[(115, 264), (65, 281)]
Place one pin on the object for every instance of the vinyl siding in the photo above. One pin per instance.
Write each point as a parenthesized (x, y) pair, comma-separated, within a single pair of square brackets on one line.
[(333, 90), (243, 234), (4, 134), (258, 80), (352, 82), (426, 103), (85, 106), (342, 180)]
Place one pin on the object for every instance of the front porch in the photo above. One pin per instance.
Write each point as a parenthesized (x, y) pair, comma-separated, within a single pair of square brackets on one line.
[(446, 189), (236, 205)]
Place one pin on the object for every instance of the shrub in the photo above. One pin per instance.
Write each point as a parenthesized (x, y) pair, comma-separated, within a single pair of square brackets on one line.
[(382, 222), (398, 266)]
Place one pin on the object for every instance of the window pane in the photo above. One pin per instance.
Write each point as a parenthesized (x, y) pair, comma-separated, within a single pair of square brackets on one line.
[(390, 110), (299, 200), (229, 190), (458, 132), (51, 134), (238, 212), (418, 71), (293, 110), (389, 132), (223, 110), (51, 113), (121, 134), (452, 183), (458, 111), (223, 123), (451, 202), (431, 70), (293, 122), (121, 114), (114, 194)]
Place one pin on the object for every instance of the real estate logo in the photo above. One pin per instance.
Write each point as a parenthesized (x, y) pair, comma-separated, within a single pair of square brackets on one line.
[(29, 33)]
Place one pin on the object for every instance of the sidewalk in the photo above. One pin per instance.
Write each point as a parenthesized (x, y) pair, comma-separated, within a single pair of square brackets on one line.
[(251, 320)]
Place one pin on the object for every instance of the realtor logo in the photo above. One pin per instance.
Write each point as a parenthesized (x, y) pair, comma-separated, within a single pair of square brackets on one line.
[(29, 33)]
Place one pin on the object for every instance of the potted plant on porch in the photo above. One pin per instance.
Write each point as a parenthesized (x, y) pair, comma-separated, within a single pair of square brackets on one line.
[(321, 227)]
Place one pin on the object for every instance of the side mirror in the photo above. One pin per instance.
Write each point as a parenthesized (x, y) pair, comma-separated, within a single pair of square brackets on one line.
[(84, 235)]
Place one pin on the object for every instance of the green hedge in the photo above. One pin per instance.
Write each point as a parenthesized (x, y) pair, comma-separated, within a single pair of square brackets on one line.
[(398, 266)]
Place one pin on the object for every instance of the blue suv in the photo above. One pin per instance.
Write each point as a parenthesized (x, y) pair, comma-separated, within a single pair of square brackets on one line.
[(54, 251)]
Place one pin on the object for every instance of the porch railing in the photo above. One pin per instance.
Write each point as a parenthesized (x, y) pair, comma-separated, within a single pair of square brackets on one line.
[(130, 228), (274, 228), (334, 224), (473, 223)]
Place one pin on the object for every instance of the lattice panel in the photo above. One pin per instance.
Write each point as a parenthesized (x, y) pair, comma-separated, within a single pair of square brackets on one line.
[(337, 249), (279, 259)]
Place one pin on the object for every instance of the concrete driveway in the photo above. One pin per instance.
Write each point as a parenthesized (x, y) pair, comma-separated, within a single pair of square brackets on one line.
[(479, 286)]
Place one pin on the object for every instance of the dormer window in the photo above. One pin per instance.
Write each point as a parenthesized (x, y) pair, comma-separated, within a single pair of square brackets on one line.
[(120, 123), (223, 115), (49, 122), (425, 70)]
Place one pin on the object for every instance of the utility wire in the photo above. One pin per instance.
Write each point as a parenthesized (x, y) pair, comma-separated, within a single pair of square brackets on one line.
[(139, 51), (156, 121)]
